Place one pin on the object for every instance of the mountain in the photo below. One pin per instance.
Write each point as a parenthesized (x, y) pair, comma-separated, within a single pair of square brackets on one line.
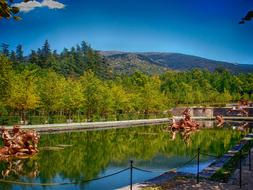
[(128, 63), (157, 63)]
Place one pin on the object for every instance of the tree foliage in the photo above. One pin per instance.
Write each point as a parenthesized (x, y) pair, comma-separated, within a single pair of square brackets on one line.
[(7, 10), (76, 82)]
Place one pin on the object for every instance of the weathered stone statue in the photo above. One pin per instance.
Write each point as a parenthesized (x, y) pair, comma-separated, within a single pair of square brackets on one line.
[(20, 143), (240, 109), (185, 126), (184, 123), (220, 120)]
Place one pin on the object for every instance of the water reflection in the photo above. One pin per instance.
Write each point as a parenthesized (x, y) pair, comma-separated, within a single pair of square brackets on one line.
[(23, 167), (78, 156), (185, 133)]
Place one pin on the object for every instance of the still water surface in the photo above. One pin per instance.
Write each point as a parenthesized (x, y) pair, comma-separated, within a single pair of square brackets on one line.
[(78, 156)]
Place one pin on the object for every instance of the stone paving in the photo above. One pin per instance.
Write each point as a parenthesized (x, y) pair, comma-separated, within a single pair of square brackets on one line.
[(186, 182), (63, 127), (219, 163)]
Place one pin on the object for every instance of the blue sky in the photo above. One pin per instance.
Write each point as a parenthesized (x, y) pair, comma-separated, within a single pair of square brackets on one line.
[(206, 28)]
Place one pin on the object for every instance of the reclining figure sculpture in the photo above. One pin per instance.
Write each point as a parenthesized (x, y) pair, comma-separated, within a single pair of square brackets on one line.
[(20, 143)]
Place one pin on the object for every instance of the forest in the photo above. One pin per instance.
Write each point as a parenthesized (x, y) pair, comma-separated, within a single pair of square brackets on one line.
[(78, 84)]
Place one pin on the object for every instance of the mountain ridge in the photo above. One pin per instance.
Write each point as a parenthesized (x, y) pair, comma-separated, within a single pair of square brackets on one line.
[(162, 61)]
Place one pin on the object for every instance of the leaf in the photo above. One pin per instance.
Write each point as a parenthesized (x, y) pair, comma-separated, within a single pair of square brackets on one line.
[(14, 10), (17, 18)]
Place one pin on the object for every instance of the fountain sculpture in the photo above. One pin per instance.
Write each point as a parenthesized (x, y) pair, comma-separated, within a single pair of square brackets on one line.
[(19, 143), (220, 120), (240, 109), (185, 126)]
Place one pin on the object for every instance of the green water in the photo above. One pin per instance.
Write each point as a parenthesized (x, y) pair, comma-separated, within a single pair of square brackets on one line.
[(78, 156)]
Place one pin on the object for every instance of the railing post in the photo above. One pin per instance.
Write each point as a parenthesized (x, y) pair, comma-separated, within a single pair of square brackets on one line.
[(249, 155), (198, 165), (240, 180), (131, 174)]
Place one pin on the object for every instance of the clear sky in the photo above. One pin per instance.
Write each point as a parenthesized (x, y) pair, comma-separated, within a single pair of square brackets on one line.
[(206, 28)]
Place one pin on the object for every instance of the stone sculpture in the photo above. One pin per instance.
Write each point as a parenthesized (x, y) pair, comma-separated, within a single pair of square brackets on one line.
[(185, 123), (185, 126), (220, 120), (19, 143), (240, 109)]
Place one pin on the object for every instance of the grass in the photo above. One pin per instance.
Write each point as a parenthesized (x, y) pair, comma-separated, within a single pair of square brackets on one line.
[(227, 170)]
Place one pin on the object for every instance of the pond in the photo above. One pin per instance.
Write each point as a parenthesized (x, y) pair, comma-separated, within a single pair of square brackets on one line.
[(68, 160)]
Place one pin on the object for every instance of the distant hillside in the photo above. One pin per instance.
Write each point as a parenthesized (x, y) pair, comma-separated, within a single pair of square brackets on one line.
[(152, 62), (128, 63)]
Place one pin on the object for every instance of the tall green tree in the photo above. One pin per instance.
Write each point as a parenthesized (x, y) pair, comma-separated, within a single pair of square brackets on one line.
[(6, 73), (73, 96), (51, 88), (20, 53), (5, 49), (22, 94), (96, 95)]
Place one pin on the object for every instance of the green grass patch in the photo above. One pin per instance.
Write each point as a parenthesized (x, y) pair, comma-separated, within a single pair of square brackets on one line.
[(227, 170)]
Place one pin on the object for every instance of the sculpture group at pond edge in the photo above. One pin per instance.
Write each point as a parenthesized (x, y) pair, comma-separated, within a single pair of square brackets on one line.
[(19, 143), (220, 120), (185, 126), (240, 108)]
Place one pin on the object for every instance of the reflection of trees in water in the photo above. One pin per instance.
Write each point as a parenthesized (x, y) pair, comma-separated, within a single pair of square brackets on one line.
[(92, 152)]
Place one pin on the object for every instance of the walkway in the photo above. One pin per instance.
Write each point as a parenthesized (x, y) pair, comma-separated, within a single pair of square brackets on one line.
[(61, 127), (182, 182), (45, 128)]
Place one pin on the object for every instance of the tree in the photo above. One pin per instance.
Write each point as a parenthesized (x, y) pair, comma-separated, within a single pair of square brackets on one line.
[(45, 55), (22, 95), (46, 51), (13, 58), (96, 95), (84, 47), (120, 98), (5, 49), (73, 96), (152, 100), (33, 57), (5, 76), (8, 11), (247, 17), (19, 53), (51, 91)]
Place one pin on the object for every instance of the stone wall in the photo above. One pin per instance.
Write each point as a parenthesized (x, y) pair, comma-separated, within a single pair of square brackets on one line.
[(212, 112)]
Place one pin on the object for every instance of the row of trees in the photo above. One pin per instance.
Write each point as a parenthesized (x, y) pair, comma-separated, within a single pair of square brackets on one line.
[(198, 86), (73, 61), (45, 92), (45, 83)]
